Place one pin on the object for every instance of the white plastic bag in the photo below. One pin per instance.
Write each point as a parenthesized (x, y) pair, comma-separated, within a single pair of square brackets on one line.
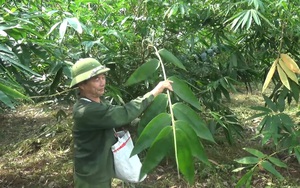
[(127, 168)]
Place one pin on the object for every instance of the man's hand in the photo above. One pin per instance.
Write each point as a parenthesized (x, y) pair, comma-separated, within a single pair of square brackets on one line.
[(161, 86)]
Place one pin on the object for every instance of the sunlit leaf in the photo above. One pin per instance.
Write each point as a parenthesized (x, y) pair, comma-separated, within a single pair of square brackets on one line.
[(270, 75), (75, 24), (290, 63), (288, 72), (248, 160), (143, 72), (151, 131), (63, 29), (283, 77), (184, 92), (255, 152)]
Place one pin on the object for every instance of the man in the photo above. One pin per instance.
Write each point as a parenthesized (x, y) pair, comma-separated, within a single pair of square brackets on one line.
[(94, 120)]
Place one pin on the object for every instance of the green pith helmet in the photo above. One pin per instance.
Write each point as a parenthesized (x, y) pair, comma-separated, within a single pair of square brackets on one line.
[(85, 69)]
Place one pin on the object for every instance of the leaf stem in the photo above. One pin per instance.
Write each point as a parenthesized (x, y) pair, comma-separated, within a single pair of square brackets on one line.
[(171, 110)]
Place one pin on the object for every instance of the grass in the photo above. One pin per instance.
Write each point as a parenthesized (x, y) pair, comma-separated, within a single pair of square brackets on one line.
[(36, 151)]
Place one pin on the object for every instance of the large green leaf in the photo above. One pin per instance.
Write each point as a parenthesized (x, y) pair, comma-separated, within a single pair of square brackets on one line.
[(158, 106), (161, 146), (184, 92), (143, 72), (12, 92), (6, 100), (74, 22), (245, 180), (277, 162), (168, 56), (248, 160), (184, 154), (269, 167), (193, 141), (255, 152), (62, 29), (185, 113), (56, 80), (151, 131)]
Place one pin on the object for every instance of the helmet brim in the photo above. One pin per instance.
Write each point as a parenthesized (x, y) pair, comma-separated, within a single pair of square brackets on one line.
[(87, 75)]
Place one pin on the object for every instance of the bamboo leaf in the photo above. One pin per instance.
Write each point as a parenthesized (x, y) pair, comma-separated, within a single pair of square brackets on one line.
[(63, 29), (185, 113), (181, 89), (151, 131), (168, 56), (6, 100), (158, 106), (143, 72), (269, 167), (246, 18), (158, 150), (290, 63), (245, 179), (283, 77), (248, 160), (288, 72), (261, 108), (75, 24), (185, 157), (193, 141), (12, 92), (255, 152), (277, 162), (270, 75)]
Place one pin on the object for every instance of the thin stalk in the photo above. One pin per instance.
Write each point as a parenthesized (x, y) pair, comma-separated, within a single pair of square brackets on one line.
[(171, 110)]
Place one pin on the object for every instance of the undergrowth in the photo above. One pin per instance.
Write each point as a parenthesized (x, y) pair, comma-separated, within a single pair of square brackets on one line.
[(36, 151)]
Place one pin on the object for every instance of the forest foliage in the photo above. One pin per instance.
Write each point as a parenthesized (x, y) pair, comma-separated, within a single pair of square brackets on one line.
[(207, 48)]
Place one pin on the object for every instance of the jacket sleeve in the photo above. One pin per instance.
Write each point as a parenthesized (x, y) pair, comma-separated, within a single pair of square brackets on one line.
[(91, 115)]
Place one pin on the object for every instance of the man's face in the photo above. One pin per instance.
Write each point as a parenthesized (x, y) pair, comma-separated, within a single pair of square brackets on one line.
[(95, 86)]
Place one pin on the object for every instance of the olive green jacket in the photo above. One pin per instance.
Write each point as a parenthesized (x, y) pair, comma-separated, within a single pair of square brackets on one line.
[(94, 135)]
